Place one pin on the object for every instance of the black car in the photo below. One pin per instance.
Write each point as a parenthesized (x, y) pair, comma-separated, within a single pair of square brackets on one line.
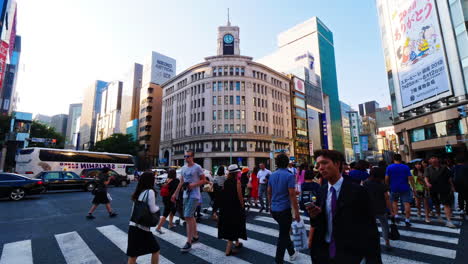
[(65, 180), (116, 179), (16, 186)]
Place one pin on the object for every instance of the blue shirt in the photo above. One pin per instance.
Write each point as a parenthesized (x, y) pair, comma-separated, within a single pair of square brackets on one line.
[(399, 174), (280, 182)]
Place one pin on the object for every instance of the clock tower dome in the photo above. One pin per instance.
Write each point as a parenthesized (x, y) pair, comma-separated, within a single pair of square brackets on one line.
[(228, 39)]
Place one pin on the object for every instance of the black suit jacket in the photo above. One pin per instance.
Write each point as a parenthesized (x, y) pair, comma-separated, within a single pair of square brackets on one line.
[(354, 226)]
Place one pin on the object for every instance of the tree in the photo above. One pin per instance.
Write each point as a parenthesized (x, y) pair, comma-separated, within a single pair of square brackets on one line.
[(39, 130), (117, 143)]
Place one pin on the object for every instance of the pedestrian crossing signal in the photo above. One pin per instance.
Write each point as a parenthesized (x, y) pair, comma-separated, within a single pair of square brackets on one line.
[(448, 148)]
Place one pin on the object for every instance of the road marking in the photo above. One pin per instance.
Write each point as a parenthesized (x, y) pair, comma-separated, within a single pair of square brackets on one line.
[(17, 253), (430, 250), (451, 240), (120, 239), (253, 244), (200, 250), (75, 250)]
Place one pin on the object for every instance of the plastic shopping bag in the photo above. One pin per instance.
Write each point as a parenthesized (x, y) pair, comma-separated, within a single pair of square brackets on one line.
[(299, 235)]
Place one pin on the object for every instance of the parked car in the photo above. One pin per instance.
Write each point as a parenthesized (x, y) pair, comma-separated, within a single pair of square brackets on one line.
[(65, 180), (116, 179), (161, 179), (15, 186)]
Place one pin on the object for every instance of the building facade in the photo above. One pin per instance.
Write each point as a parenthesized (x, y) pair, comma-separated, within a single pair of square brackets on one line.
[(368, 108), (130, 109), (427, 69), (91, 107), (17, 138), (347, 139), (309, 46), (74, 113), (43, 119), (229, 109), (108, 119), (59, 123)]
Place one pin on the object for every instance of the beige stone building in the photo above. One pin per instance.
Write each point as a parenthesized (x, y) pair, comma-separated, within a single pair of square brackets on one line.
[(229, 109)]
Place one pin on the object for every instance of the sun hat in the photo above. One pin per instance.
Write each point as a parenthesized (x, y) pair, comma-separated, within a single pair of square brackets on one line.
[(234, 168)]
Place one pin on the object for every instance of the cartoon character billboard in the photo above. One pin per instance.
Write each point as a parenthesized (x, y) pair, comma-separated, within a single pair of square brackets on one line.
[(419, 50)]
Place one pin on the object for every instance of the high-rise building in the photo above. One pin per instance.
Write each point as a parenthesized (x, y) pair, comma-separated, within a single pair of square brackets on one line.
[(43, 119), (307, 51), (59, 123), (228, 109), (91, 107), (74, 114), (109, 117), (157, 70), (130, 109), (425, 45), (347, 140), (368, 108)]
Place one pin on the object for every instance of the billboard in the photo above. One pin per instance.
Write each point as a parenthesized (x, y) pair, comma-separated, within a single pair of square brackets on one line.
[(418, 48), (299, 85), (3, 57), (158, 69)]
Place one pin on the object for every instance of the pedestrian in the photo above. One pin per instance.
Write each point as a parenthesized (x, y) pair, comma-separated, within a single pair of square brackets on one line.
[(231, 224), (292, 167), (359, 174), (101, 196), (460, 180), (141, 240), (439, 181), (191, 180), (344, 221), (244, 180), (420, 191), (263, 175), (398, 178), (380, 200), (254, 183), (282, 197), (300, 175), (218, 183), (166, 192)]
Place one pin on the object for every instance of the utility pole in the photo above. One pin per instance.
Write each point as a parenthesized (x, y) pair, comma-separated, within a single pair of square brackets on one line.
[(230, 149)]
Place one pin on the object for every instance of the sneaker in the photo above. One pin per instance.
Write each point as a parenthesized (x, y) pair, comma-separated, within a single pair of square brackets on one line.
[(450, 224), (294, 256), (159, 231), (177, 222), (427, 220), (186, 248), (195, 239), (90, 216), (113, 214), (407, 223)]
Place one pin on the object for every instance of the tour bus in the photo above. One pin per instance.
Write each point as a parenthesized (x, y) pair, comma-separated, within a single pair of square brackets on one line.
[(31, 161)]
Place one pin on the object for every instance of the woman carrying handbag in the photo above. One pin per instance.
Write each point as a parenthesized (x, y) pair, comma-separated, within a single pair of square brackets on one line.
[(145, 214)]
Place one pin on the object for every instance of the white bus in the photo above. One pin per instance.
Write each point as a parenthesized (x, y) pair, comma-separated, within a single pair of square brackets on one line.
[(31, 161)]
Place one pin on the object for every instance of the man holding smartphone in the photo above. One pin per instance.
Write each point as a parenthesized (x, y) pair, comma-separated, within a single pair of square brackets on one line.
[(343, 219)]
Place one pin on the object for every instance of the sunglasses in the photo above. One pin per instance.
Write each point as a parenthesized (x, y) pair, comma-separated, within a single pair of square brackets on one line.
[(187, 156)]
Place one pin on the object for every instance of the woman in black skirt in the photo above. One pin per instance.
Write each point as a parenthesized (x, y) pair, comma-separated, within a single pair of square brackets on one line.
[(100, 194), (140, 239), (231, 225)]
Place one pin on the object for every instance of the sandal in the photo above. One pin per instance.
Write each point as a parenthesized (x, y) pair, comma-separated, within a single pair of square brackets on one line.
[(171, 227), (239, 246), (231, 253), (159, 231)]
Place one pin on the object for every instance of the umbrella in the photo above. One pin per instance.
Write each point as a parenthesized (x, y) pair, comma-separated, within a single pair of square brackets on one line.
[(415, 160)]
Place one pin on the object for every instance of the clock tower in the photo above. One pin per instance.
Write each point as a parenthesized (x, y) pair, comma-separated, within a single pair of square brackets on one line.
[(228, 39)]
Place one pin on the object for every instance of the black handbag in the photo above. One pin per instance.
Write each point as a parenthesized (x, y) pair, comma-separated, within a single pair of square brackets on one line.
[(394, 234), (142, 215)]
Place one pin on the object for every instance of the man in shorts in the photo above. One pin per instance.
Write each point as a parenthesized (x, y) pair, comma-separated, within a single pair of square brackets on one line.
[(439, 181), (397, 176), (191, 180)]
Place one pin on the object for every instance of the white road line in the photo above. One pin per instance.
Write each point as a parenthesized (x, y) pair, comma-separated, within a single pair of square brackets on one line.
[(451, 240), (120, 239), (389, 259), (17, 253), (200, 250), (430, 250), (75, 250), (253, 244), (435, 228)]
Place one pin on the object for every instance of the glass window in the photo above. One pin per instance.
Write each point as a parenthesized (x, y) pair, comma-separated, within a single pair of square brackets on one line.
[(237, 71), (214, 129), (231, 100), (226, 99), (219, 129), (431, 132), (226, 86), (215, 70), (243, 129), (231, 86), (243, 114), (70, 176), (238, 100), (243, 86), (237, 86), (417, 135), (254, 101), (220, 98), (231, 114), (215, 86), (441, 129), (254, 115), (226, 128), (231, 128), (226, 114), (242, 71), (231, 71), (238, 128), (453, 127), (225, 71), (214, 100), (299, 102), (238, 114), (214, 115), (52, 176), (301, 124), (301, 113), (243, 100), (220, 86)]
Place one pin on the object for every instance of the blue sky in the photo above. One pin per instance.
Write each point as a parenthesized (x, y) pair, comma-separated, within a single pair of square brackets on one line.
[(66, 44)]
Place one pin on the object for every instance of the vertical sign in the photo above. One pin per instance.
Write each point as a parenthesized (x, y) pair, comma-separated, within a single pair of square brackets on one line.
[(323, 118), (3, 55)]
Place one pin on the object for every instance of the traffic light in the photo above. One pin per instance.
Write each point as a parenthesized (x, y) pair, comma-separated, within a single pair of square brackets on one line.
[(461, 111), (448, 148)]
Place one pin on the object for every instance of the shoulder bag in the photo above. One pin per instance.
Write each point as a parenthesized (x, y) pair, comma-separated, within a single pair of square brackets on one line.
[(142, 215)]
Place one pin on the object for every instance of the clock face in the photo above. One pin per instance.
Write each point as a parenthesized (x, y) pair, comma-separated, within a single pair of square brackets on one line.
[(228, 38)]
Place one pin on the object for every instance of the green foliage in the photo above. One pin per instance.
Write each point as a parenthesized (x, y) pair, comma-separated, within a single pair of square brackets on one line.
[(39, 130), (117, 143)]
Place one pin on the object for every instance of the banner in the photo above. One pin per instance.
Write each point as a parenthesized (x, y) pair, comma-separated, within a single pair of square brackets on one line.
[(3, 55), (419, 50)]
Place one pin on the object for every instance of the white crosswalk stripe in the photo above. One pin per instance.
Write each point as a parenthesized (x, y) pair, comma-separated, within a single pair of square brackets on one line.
[(432, 243)]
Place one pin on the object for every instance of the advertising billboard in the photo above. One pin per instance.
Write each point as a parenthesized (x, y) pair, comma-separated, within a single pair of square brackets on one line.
[(3, 57), (158, 69), (419, 54), (299, 85)]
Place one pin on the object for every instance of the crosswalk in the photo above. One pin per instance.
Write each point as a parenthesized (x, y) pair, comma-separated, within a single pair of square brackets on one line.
[(420, 243)]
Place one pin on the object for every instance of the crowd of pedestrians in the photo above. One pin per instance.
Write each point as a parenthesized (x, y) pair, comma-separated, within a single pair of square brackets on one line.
[(343, 202)]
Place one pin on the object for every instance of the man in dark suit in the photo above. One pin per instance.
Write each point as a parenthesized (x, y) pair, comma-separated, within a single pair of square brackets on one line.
[(343, 218)]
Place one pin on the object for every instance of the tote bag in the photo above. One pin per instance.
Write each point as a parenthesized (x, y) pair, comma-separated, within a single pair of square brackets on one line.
[(142, 215)]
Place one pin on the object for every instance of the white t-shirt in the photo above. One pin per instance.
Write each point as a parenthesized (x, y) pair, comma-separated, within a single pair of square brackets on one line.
[(262, 175)]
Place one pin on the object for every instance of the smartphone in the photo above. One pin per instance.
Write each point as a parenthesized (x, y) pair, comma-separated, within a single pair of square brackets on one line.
[(308, 204)]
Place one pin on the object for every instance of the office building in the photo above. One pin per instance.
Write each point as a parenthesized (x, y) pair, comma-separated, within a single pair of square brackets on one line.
[(16, 139), (347, 140), (43, 119), (228, 108), (72, 136), (130, 108), (306, 50), (427, 68), (108, 119), (90, 108), (157, 69), (59, 123), (368, 108)]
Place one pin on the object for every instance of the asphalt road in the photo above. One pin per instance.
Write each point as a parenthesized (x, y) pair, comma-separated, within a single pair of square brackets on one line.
[(52, 228)]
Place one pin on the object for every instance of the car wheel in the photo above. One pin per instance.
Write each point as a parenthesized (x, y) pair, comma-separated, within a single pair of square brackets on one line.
[(90, 187), (123, 183), (17, 194)]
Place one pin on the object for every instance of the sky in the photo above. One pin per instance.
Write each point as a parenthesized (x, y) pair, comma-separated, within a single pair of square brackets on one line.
[(68, 44)]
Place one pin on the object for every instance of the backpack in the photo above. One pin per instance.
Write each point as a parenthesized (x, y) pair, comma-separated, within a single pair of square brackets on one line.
[(164, 192)]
